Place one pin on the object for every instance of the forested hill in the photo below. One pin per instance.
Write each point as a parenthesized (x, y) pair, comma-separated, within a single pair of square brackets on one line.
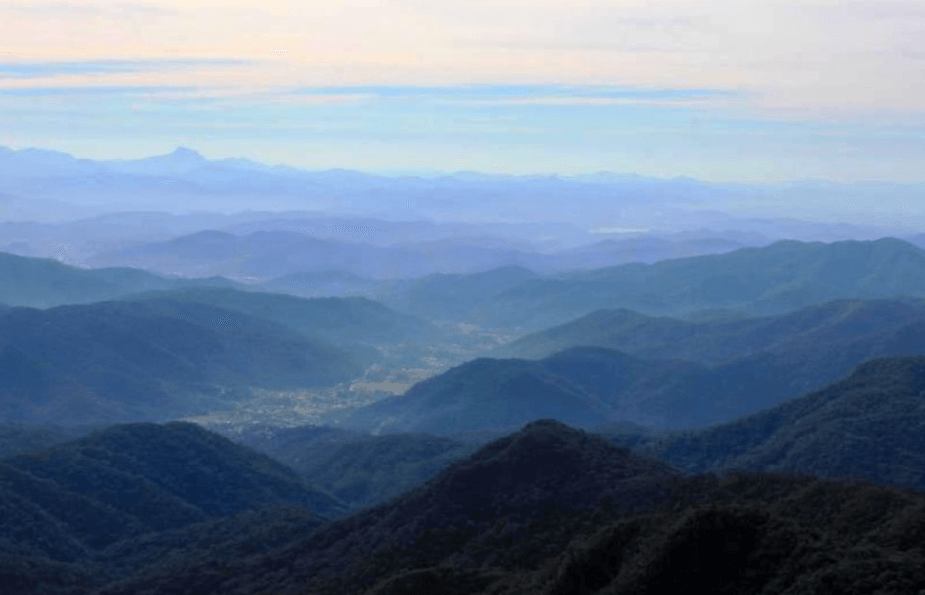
[(44, 282), (336, 319), (781, 277), (782, 357), (870, 425), (555, 511), (91, 510), (131, 361), (829, 327)]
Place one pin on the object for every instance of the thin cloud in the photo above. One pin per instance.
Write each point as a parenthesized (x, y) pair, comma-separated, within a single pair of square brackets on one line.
[(36, 69), (92, 9), (73, 91), (521, 93)]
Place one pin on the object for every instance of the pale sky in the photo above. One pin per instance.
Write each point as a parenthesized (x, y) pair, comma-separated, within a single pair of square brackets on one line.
[(714, 89)]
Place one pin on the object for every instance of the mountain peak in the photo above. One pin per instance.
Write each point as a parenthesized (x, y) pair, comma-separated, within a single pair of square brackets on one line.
[(547, 462), (187, 154)]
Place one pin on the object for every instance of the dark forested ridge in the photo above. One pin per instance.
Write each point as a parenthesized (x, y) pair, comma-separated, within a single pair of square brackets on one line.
[(547, 509), (19, 438), (131, 361), (550, 509), (122, 497), (870, 425)]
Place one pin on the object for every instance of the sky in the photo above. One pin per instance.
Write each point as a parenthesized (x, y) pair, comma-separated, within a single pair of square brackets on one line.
[(719, 90)]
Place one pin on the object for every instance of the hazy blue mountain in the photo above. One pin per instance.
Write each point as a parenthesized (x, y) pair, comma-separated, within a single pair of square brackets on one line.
[(743, 367), (442, 296), (263, 255), (73, 242), (125, 361), (784, 276), (314, 247), (501, 394), (866, 426), (42, 283), (43, 162), (808, 331), (181, 160), (339, 320), (322, 284), (645, 248)]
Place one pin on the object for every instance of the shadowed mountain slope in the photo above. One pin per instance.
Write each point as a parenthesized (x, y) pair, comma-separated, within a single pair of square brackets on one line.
[(553, 510), (132, 361), (360, 469), (366, 472), (72, 499), (870, 425), (20, 438), (543, 469)]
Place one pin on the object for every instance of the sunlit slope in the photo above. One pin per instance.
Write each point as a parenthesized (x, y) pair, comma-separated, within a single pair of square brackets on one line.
[(124, 361), (43, 282), (784, 276)]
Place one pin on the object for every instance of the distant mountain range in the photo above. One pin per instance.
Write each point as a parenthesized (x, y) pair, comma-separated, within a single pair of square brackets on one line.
[(43, 185), (782, 277), (824, 330), (266, 255)]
